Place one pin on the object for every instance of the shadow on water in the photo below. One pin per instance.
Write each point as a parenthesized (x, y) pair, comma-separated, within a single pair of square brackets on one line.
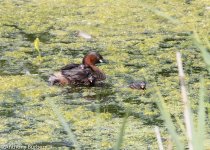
[(99, 93), (12, 100), (103, 98), (44, 36), (10, 103), (137, 44), (12, 67)]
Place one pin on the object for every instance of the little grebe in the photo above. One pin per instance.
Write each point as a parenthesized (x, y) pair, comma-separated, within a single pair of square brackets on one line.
[(138, 85), (80, 74)]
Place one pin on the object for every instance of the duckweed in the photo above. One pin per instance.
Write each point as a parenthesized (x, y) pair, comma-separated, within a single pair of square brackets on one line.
[(139, 45)]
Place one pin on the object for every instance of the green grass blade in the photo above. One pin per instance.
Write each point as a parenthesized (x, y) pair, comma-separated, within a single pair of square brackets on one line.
[(121, 133), (168, 121), (97, 124), (201, 118), (204, 51), (169, 18), (64, 124), (161, 14)]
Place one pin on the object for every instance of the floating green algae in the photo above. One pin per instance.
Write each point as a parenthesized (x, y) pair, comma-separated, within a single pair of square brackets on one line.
[(139, 45)]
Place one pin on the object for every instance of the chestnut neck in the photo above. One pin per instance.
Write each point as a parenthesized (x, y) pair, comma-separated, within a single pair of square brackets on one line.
[(89, 61)]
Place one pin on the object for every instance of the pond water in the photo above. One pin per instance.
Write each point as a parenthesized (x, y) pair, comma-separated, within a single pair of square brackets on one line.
[(139, 45)]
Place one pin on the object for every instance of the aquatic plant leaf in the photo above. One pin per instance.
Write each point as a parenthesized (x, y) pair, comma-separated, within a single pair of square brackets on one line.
[(36, 44)]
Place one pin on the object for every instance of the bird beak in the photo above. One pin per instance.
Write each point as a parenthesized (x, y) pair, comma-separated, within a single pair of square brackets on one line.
[(101, 61)]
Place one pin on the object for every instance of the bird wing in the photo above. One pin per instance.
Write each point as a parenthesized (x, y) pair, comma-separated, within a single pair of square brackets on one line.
[(70, 66), (99, 76), (76, 73)]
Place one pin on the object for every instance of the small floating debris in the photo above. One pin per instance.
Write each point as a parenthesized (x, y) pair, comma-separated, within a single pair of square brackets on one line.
[(84, 35), (207, 7), (138, 85)]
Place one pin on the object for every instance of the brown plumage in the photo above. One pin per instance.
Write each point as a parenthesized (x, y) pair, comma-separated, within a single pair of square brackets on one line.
[(80, 74)]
